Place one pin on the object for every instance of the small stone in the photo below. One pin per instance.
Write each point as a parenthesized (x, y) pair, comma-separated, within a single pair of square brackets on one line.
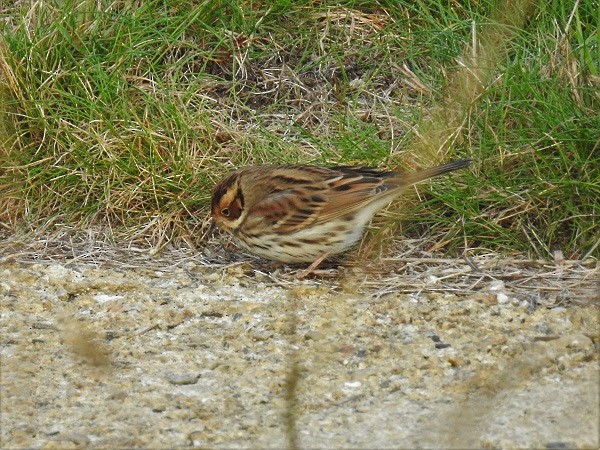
[(543, 328), (558, 445), (558, 256), (111, 334), (502, 298), (180, 379), (352, 384), (432, 279), (43, 325), (496, 285), (103, 298)]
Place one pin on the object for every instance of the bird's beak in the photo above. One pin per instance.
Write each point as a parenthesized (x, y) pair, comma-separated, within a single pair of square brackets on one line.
[(213, 227)]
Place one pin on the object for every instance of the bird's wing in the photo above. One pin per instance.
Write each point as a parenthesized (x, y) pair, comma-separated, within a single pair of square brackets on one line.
[(302, 196), (336, 193)]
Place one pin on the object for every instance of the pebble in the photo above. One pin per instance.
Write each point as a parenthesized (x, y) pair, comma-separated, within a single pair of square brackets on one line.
[(497, 285), (43, 325), (543, 328), (180, 379), (502, 298), (558, 445)]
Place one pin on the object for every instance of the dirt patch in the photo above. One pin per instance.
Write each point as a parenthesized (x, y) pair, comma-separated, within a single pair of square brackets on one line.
[(189, 353)]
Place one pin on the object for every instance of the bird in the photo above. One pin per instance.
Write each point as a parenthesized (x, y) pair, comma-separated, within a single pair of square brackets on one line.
[(305, 213)]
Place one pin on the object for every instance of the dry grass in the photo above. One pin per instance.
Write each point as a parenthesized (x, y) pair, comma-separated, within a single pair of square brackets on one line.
[(115, 118), (542, 283)]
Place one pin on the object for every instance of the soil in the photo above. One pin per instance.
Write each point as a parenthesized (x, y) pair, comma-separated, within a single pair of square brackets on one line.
[(118, 354)]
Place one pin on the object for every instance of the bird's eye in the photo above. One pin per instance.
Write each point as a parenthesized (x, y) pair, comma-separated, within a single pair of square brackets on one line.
[(225, 212)]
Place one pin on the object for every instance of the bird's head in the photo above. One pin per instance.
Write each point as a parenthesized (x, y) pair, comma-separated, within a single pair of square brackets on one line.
[(227, 205)]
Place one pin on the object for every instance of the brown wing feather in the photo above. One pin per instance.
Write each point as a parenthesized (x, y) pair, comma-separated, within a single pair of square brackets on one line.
[(355, 191), (305, 195), (314, 195), (295, 197), (360, 186)]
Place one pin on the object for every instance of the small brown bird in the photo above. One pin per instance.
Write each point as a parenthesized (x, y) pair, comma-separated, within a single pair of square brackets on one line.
[(301, 213)]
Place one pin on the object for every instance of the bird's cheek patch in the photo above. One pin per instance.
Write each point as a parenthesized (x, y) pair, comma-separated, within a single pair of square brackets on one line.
[(235, 209)]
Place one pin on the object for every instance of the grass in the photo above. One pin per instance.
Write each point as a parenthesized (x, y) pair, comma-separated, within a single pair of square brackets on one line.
[(124, 114)]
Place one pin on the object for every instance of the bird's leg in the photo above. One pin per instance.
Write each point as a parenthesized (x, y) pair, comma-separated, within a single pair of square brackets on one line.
[(310, 269)]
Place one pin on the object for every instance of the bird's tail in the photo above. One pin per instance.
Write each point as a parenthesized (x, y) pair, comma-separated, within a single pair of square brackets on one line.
[(415, 177)]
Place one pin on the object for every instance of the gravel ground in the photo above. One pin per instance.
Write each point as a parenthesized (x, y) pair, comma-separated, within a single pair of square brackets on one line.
[(118, 356)]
